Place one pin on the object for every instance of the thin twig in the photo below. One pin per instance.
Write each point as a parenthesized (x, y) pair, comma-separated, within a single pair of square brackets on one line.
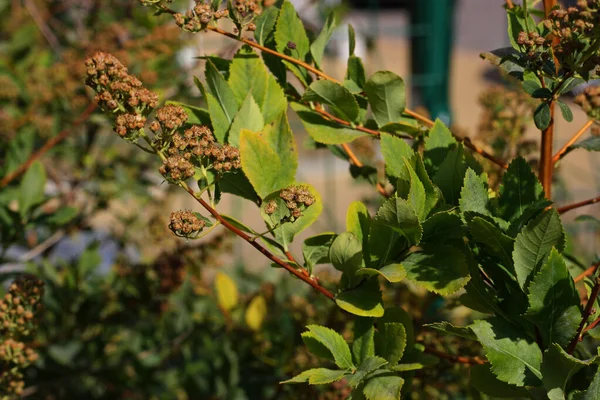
[(258, 247), (47, 146), (455, 359), (546, 160), (588, 272), (509, 4), (573, 206), (355, 161), (575, 137), (586, 315), (592, 325), (41, 24)]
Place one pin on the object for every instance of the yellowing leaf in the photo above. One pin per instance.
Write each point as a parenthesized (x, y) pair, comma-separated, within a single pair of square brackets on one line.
[(256, 313), (227, 293)]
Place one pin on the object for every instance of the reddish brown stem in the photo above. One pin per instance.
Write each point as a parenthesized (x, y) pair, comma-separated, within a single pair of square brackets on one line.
[(588, 272), (573, 139), (47, 146), (509, 4), (573, 206), (455, 359), (586, 315), (260, 248), (546, 163), (592, 325)]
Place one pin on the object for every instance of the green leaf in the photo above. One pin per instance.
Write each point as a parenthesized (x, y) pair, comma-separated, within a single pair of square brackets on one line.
[(248, 76), (438, 143), (542, 116), (593, 391), (386, 94), (449, 178), (443, 226), (315, 347), (520, 189), (398, 215), (363, 345), (494, 240), (31, 188), (356, 73), (335, 96), (335, 343), (323, 130), (290, 29), (239, 185), (260, 163), (346, 253), (449, 329), (440, 269), (395, 150), (417, 197), (219, 88), (315, 249), (591, 144), (482, 379), (363, 300), (383, 385), (256, 313), (554, 302), (392, 273), (557, 369), (351, 40), (281, 139), (369, 365), (249, 118), (318, 376), (565, 111), (265, 25), (317, 48), (219, 119), (62, 216), (474, 194), (515, 358), (535, 242), (390, 341), (227, 292), (358, 222)]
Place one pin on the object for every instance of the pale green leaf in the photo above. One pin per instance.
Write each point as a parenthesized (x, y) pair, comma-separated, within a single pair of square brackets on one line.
[(265, 25), (363, 300), (386, 94), (318, 376), (281, 139), (474, 194), (398, 215), (248, 117), (554, 302), (392, 272), (220, 89), (248, 76), (290, 29), (335, 343), (358, 221), (315, 346), (395, 150), (515, 358), (356, 73), (438, 143), (260, 163), (317, 48), (534, 243)]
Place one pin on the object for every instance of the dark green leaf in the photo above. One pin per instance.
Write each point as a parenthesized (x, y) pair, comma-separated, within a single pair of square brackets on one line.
[(520, 189), (335, 96), (390, 341), (474, 194), (383, 385), (486, 382), (565, 110), (363, 345), (557, 368), (368, 365), (591, 144), (265, 25), (346, 253), (449, 178), (315, 249), (495, 241), (449, 329), (398, 215), (443, 226), (351, 40), (356, 73), (395, 150), (542, 116), (438, 143)]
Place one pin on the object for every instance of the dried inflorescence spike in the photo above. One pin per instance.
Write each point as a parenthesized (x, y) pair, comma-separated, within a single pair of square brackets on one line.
[(186, 224), (589, 100), (120, 93), (198, 17)]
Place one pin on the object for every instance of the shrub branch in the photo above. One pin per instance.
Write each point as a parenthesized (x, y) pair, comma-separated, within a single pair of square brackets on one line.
[(586, 315), (575, 137), (569, 207)]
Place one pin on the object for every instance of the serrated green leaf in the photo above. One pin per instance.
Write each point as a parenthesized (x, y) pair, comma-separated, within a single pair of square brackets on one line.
[(335, 96), (256, 313), (520, 189), (317, 48), (260, 163), (443, 226), (399, 315), (227, 292), (363, 300), (392, 272), (417, 197), (315, 249), (482, 379), (335, 343), (395, 150), (495, 241), (450, 175), (554, 302), (542, 116), (323, 130), (440, 269), (449, 329), (384, 385), (315, 346), (515, 358), (593, 391), (474, 194), (398, 215), (363, 345), (369, 365), (534, 243), (249, 118), (438, 143), (31, 188), (390, 341), (318, 376), (346, 253), (248, 76), (386, 94), (557, 368)]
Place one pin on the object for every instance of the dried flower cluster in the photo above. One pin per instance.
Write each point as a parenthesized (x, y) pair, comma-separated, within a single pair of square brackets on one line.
[(186, 224), (17, 312), (296, 198), (120, 93), (589, 100), (198, 17)]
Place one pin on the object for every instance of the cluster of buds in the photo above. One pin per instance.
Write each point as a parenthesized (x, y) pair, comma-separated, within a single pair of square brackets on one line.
[(197, 146), (198, 17), (17, 312), (168, 119), (589, 100), (186, 224), (244, 13), (120, 93), (296, 198)]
